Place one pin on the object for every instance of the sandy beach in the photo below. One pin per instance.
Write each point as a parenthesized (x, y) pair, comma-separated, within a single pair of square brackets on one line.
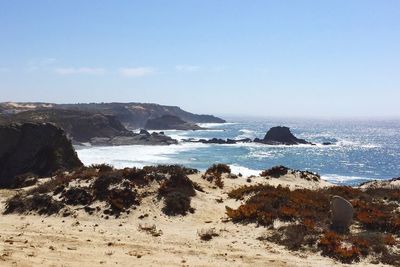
[(147, 237)]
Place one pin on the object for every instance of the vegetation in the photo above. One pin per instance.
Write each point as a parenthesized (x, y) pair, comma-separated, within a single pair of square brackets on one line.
[(207, 234), (42, 204), (177, 192), (117, 188), (214, 174), (376, 217), (275, 172)]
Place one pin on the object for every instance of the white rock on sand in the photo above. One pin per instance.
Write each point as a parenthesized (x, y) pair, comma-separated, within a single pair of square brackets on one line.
[(92, 241)]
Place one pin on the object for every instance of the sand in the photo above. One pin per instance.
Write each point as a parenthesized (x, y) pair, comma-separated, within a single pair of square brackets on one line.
[(89, 240)]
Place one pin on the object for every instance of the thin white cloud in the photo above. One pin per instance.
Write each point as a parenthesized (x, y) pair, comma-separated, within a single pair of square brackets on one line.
[(137, 72), (82, 70), (40, 63), (187, 68)]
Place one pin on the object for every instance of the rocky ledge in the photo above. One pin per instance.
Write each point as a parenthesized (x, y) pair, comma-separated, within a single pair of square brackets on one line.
[(83, 127), (142, 138), (33, 150)]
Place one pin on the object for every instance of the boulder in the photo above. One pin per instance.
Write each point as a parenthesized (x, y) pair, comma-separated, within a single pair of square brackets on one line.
[(34, 149), (144, 132), (342, 214), (170, 122), (280, 135)]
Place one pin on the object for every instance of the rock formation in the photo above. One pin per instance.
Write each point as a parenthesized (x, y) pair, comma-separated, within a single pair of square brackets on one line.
[(85, 127), (342, 214), (170, 122), (280, 135), (143, 138), (80, 126), (131, 115), (219, 141), (38, 149)]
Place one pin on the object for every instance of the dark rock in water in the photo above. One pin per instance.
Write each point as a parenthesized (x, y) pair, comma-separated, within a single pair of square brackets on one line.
[(144, 132), (219, 141), (39, 149), (170, 122), (143, 138), (327, 143), (280, 135)]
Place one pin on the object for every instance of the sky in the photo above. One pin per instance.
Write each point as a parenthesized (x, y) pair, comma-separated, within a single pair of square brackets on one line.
[(227, 57)]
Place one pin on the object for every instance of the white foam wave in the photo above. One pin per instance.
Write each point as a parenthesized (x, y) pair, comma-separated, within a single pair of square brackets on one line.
[(134, 156), (214, 125), (341, 179), (246, 133), (348, 143), (236, 169)]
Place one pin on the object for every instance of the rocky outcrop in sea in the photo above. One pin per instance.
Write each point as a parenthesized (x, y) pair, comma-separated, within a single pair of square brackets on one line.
[(280, 135)]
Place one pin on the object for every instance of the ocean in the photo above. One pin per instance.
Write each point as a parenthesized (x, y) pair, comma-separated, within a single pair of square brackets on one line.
[(363, 149)]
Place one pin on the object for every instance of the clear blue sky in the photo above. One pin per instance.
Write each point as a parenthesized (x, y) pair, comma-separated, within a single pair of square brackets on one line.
[(265, 58)]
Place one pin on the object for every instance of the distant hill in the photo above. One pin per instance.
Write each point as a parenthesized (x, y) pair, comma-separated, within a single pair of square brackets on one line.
[(131, 115), (170, 122), (80, 126)]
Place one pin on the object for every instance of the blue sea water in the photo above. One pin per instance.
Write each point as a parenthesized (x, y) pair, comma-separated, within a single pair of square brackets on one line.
[(362, 150)]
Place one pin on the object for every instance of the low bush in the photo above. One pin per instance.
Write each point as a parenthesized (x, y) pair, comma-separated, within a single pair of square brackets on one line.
[(177, 192), (77, 196), (219, 169), (214, 174), (169, 169), (294, 237), (102, 167), (332, 246), (24, 181), (275, 172), (42, 204), (122, 199), (51, 185), (207, 234)]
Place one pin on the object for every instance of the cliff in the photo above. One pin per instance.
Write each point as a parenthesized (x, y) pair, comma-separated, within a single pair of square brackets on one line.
[(131, 115), (38, 149)]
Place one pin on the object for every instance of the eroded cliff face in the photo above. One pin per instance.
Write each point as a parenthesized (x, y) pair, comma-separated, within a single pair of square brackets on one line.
[(131, 115), (37, 149), (80, 126)]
